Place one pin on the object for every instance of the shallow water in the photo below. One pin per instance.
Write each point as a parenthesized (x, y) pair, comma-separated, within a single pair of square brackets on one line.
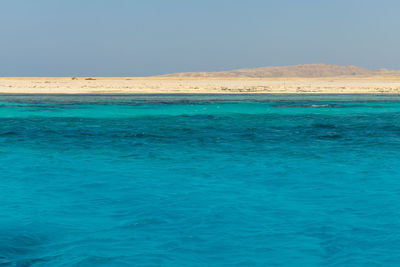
[(200, 180)]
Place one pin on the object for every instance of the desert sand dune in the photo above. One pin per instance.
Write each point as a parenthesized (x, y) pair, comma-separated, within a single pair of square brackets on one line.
[(296, 71), (185, 85), (299, 79)]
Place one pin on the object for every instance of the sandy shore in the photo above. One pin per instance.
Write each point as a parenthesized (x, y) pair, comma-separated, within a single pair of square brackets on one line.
[(163, 85)]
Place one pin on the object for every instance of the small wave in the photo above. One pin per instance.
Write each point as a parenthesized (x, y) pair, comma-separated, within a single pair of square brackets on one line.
[(17, 247), (182, 102), (330, 136), (9, 133), (324, 126), (311, 106)]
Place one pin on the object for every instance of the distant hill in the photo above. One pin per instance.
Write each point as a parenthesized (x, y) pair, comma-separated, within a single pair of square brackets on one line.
[(304, 70)]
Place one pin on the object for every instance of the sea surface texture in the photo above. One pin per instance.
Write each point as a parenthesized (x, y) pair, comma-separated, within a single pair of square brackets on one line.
[(200, 180)]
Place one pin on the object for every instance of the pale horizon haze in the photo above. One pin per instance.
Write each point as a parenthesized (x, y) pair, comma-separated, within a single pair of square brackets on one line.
[(142, 38)]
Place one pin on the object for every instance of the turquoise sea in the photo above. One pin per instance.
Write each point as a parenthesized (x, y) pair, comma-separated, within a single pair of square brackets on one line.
[(250, 180)]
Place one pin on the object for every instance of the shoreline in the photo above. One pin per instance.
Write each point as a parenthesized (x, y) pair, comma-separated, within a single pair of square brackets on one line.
[(212, 86)]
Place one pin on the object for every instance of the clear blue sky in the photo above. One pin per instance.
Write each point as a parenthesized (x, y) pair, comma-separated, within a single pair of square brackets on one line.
[(146, 37)]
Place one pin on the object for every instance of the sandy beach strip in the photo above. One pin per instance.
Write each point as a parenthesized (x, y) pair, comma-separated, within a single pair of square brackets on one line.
[(167, 85)]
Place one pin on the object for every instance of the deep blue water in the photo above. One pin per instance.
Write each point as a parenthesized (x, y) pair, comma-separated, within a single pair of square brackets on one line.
[(200, 180)]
